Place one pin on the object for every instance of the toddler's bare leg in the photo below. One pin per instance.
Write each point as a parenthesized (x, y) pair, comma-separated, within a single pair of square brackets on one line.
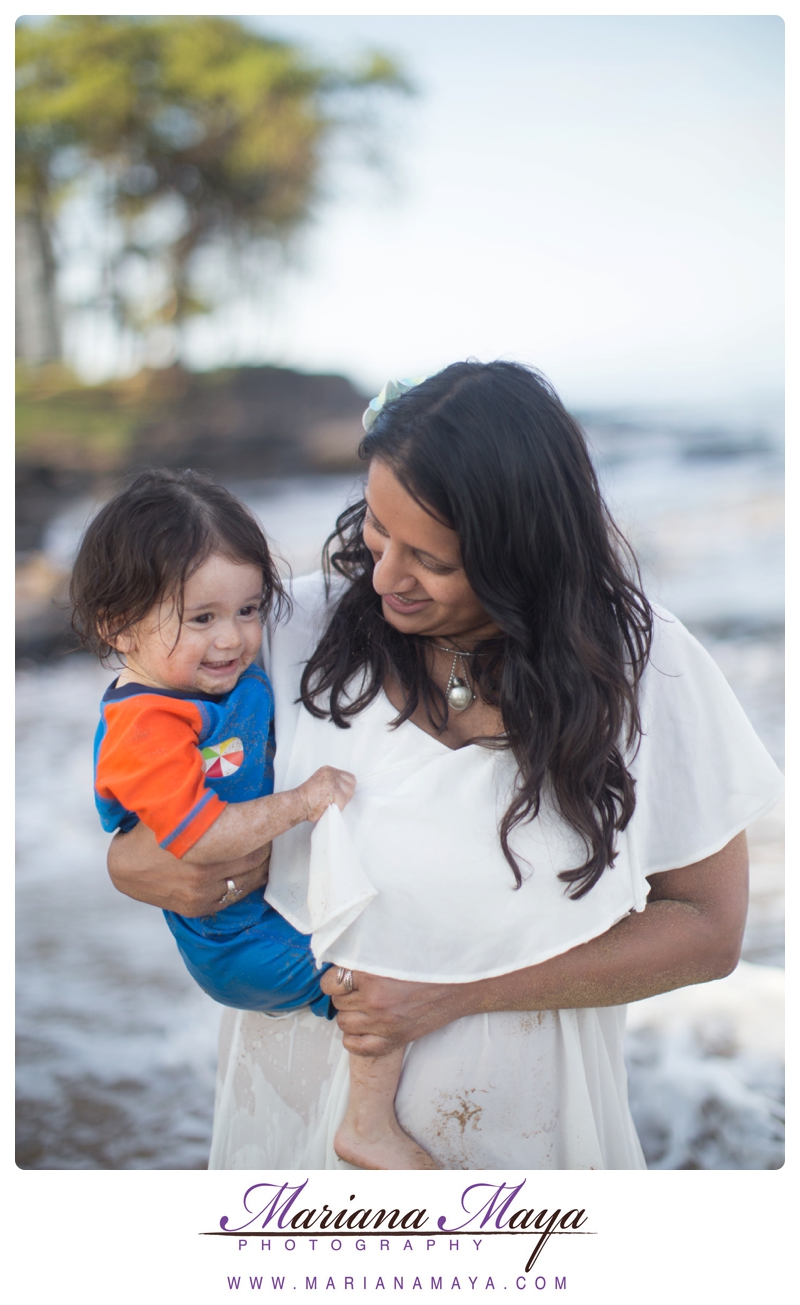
[(369, 1135)]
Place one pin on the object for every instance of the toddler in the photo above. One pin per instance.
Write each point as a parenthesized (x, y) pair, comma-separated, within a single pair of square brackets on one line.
[(175, 577)]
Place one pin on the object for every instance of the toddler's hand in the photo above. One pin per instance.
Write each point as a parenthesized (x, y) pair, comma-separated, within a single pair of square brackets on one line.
[(325, 786)]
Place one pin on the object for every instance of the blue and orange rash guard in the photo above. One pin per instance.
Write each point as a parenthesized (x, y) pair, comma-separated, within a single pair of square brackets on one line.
[(174, 760)]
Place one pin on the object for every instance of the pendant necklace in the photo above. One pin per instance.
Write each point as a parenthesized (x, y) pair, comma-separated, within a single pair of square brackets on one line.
[(458, 693)]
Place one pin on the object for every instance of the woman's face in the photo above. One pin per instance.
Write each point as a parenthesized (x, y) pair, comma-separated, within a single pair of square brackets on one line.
[(418, 570)]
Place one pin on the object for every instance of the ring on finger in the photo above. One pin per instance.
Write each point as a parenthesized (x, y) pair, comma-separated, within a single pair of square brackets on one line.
[(345, 977), (232, 893)]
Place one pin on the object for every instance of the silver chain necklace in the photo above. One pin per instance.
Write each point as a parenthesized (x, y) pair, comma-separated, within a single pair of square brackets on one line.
[(458, 693)]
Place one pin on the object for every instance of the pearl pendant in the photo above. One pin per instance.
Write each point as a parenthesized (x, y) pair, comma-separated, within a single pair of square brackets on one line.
[(459, 695)]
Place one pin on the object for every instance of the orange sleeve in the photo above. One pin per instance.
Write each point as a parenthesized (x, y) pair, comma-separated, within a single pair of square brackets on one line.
[(149, 760)]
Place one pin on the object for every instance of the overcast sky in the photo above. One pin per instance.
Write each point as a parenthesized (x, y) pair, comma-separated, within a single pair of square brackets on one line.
[(598, 196), (601, 197)]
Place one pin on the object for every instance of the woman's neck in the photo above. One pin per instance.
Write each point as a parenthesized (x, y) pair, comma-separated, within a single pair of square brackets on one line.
[(468, 644), (446, 659)]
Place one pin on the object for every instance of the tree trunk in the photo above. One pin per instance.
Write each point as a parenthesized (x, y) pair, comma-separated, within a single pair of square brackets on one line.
[(37, 334)]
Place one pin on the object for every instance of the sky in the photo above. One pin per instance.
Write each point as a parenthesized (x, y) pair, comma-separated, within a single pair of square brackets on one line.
[(600, 197)]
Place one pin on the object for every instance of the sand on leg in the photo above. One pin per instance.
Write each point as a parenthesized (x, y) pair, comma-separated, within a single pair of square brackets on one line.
[(370, 1135)]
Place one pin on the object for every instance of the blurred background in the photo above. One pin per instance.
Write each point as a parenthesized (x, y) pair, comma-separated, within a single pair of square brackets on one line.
[(230, 232)]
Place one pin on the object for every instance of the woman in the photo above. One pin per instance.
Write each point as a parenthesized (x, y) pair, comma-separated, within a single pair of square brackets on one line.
[(553, 788)]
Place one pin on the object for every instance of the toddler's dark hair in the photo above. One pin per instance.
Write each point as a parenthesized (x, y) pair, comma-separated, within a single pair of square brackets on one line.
[(145, 543)]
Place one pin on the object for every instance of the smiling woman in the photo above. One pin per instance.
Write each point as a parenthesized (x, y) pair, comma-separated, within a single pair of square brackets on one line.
[(425, 592), (568, 841), (533, 539), (426, 575)]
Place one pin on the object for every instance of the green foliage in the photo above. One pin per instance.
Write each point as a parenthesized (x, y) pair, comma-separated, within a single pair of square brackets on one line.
[(73, 430), (228, 125), (62, 423)]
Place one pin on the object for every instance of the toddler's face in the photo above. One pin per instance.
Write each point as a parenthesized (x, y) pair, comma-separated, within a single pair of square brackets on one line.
[(219, 638)]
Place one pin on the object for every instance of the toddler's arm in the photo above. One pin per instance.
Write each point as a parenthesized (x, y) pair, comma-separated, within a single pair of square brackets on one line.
[(149, 762), (244, 826)]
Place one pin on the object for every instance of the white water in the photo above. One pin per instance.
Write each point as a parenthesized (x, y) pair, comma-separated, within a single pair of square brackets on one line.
[(117, 1045)]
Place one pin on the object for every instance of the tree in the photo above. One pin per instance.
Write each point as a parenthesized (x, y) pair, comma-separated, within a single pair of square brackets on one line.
[(218, 132)]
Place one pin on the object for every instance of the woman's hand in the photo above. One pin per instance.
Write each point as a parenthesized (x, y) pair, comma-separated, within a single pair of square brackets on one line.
[(690, 932), (140, 868), (380, 1014)]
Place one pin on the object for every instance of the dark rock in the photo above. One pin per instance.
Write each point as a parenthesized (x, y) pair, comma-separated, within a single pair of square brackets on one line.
[(257, 422), (41, 493), (42, 610)]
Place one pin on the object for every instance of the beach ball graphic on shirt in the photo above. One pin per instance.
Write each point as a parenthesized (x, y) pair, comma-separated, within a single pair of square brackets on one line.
[(222, 759)]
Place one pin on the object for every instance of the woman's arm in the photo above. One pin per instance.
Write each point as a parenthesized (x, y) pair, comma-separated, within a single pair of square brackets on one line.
[(140, 868), (690, 932), (195, 884)]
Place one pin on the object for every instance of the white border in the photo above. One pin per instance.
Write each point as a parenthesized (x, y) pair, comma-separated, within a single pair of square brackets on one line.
[(133, 1236)]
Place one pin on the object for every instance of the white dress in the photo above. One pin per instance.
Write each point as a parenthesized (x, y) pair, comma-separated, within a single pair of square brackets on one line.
[(420, 890)]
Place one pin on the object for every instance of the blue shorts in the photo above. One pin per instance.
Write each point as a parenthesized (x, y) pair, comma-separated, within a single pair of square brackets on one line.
[(249, 957)]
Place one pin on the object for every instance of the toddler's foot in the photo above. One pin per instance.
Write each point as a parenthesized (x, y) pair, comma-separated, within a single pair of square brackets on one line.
[(390, 1148)]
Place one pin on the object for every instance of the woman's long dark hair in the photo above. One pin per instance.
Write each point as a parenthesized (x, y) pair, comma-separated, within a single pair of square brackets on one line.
[(490, 451)]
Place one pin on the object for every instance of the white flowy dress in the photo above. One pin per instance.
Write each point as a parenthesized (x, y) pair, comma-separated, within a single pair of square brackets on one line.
[(410, 882)]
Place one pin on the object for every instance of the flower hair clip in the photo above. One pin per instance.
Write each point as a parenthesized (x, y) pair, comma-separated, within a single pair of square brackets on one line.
[(391, 390)]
